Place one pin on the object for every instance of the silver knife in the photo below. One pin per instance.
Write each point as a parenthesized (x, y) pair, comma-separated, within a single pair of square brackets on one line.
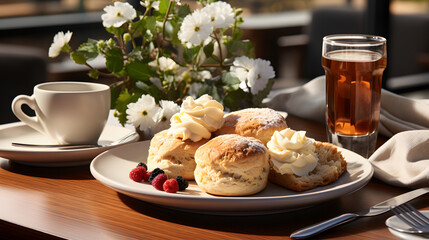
[(372, 211)]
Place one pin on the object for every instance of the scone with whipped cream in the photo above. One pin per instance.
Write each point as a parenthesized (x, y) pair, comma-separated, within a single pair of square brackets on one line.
[(173, 150), (300, 163), (232, 165), (259, 123)]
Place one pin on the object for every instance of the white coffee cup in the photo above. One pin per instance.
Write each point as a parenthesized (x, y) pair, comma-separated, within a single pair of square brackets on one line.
[(67, 112)]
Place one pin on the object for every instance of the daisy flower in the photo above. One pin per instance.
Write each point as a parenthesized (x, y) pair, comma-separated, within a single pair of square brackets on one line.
[(253, 73), (196, 28), (143, 113), (221, 14), (168, 109), (60, 43), (118, 14)]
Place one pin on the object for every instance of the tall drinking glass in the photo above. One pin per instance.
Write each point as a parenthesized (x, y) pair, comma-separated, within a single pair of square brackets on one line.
[(354, 66)]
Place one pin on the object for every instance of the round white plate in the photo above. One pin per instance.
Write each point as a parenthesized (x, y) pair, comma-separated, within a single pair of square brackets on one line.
[(406, 232), (113, 166), (20, 132)]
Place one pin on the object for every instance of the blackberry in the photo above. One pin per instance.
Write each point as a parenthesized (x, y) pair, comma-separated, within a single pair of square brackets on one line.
[(141, 164), (183, 183), (154, 173)]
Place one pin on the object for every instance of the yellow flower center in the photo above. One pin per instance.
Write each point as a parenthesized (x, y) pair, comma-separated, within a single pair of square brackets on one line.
[(196, 29), (144, 113)]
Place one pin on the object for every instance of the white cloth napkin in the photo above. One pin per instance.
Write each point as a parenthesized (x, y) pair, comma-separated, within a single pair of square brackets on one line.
[(401, 161)]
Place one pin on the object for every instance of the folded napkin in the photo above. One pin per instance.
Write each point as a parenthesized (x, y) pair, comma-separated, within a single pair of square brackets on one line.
[(397, 113), (404, 159)]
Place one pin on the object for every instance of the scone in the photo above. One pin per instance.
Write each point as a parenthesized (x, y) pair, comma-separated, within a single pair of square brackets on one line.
[(259, 123), (173, 155), (173, 150), (307, 163), (232, 165)]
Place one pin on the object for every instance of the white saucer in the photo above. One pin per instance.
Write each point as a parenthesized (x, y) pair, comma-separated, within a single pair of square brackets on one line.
[(406, 232), (272, 199), (52, 157)]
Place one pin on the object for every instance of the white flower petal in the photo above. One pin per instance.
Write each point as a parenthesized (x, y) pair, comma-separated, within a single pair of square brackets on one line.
[(118, 14), (60, 39), (196, 28)]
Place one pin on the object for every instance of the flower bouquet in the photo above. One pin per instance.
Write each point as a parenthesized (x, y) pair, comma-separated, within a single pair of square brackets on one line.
[(160, 56)]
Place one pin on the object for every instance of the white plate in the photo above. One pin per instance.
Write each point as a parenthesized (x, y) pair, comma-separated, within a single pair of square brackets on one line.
[(273, 199), (20, 132), (395, 223)]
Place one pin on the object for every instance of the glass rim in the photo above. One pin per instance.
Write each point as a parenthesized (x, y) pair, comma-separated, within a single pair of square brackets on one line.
[(347, 40)]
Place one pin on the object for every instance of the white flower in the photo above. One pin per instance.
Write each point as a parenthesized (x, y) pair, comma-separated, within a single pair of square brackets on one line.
[(154, 4), (60, 43), (164, 64), (253, 73), (196, 28), (118, 14), (221, 14), (168, 109), (241, 67), (143, 113), (262, 72)]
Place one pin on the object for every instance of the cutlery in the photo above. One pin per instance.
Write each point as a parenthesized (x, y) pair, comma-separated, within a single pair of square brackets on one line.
[(76, 146), (372, 211), (412, 217)]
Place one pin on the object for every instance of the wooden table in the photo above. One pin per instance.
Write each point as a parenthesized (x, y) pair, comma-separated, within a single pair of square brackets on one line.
[(51, 203)]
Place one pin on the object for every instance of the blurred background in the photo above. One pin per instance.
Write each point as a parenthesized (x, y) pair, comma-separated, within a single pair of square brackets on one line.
[(286, 32)]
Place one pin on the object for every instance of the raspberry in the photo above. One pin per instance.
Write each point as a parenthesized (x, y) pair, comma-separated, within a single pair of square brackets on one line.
[(146, 176), (183, 184), (142, 164), (158, 181), (137, 174), (171, 186), (154, 173)]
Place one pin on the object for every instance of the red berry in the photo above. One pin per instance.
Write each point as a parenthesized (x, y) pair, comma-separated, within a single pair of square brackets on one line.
[(137, 174), (158, 181), (146, 176), (171, 185)]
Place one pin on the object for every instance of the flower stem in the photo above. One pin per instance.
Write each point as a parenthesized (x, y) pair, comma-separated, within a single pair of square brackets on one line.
[(165, 19)]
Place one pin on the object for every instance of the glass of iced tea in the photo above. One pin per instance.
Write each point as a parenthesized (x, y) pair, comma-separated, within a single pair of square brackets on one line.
[(354, 66)]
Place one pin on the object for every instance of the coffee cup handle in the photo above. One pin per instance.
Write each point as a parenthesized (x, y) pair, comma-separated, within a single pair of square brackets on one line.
[(17, 103)]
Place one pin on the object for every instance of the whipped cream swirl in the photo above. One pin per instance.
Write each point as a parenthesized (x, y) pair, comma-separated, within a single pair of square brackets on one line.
[(197, 119), (291, 152)]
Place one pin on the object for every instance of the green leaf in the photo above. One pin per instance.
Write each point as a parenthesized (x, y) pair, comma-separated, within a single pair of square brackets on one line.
[(163, 6), (115, 31), (237, 100), (230, 81), (114, 59), (138, 26), (208, 49), (93, 73), (86, 51), (257, 99), (183, 11), (151, 24), (240, 48), (139, 70)]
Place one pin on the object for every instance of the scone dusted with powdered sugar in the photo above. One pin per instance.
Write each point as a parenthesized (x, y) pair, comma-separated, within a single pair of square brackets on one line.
[(300, 163), (232, 165), (260, 123), (173, 150)]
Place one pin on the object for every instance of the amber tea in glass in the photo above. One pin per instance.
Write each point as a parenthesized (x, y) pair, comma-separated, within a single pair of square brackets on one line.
[(354, 66)]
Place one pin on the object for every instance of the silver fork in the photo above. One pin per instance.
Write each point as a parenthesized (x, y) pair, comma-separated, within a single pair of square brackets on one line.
[(412, 217)]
